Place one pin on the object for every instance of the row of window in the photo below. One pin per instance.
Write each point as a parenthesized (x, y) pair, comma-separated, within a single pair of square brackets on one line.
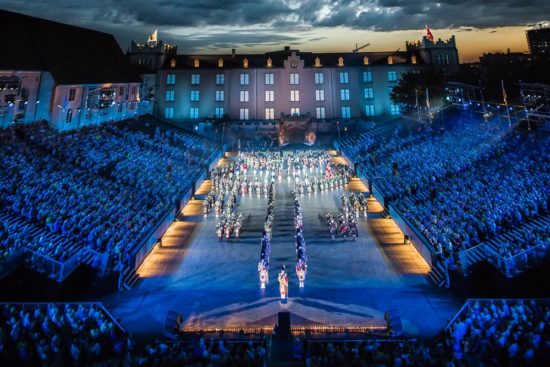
[(270, 95), (72, 92), (244, 78), (71, 111), (270, 112)]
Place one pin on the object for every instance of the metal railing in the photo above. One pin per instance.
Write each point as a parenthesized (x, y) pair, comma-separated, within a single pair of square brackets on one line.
[(486, 302), (513, 265), (96, 257), (57, 270), (466, 256)]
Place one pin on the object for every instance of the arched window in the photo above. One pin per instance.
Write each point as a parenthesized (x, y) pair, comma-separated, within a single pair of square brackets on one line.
[(413, 59), (220, 63), (196, 63), (245, 63), (390, 60), (269, 63), (173, 63), (365, 60), (340, 61)]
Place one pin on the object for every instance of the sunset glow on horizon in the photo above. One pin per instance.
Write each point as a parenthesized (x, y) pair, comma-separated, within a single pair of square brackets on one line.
[(217, 26)]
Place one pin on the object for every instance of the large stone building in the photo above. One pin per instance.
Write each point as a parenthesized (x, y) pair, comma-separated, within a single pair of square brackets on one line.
[(290, 84), (66, 75), (74, 77)]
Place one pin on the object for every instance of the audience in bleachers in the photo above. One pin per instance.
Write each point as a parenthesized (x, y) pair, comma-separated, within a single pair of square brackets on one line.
[(485, 332), (202, 353), (100, 187), (496, 333), (58, 335), (84, 334), (502, 333), (376, 353), (487, 198), (526, 239), (461, 186)]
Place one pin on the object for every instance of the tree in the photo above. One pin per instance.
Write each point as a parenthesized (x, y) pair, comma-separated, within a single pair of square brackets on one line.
[(413, 84)]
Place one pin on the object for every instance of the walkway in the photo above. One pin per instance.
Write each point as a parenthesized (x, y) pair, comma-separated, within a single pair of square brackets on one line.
[(215, 284)]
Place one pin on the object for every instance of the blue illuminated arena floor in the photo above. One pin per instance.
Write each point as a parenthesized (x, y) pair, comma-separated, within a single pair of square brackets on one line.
[(349, 283)]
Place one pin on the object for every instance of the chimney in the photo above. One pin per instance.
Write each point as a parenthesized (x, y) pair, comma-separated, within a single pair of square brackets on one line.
[(233, 53)]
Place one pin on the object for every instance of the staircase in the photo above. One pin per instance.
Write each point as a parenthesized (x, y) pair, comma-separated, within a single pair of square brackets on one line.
[(129, 277), (511, 236), (70, 250), (437, 275), (472, 256)]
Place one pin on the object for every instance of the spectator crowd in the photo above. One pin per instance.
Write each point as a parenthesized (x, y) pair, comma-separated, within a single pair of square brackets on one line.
[(102, 188), (483, 333), (489, 333), (464, 185)]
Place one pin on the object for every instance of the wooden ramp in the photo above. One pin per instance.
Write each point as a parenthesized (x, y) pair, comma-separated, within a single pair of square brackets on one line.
[(166, 259), (204, 189), (403, 257), (356, 185)]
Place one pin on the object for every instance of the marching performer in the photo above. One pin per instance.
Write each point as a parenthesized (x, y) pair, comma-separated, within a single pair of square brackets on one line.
[(264, 275), (301, 269), (283, 283)]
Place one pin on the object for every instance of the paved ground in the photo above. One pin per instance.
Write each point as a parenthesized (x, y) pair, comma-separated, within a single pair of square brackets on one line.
[(215, 284)]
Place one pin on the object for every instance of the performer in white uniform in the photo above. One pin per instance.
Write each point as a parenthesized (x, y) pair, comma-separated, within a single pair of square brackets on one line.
[(283, 283)]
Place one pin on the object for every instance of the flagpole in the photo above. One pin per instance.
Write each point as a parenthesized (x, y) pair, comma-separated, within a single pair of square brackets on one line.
[(428, 105), (417, 106), (505, 101)]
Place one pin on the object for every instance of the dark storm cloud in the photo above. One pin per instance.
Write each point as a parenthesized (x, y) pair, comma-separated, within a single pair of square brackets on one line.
[(387, 15), (131, 19), (362, 14)]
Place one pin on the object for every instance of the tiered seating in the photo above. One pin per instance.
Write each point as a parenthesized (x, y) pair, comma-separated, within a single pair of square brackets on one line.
[(424, 162), (101, 188), (375, 353), (485, 333), (522, 247), (485, 199), (501, 332), (15, 233), (58, 335), (202, 353), (462, 186), (363, 148)]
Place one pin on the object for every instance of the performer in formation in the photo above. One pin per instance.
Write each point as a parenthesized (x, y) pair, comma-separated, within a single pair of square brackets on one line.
[(265, 251), (301, 258), (301, 268), (352, 208), (255, 173), (222, 198), (314, 171), (283, 284)]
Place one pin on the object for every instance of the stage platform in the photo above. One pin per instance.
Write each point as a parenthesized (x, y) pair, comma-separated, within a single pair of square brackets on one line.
[(349, 283)]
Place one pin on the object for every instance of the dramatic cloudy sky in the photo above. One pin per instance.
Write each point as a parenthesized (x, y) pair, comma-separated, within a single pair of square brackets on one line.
[(318, 25)]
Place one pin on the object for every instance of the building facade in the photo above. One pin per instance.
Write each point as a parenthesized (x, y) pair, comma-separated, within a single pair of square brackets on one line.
[(291, 84), (539, 41), (66, 75)]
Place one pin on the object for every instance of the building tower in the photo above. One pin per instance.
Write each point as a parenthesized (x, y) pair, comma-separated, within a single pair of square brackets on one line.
[(441, 55), (151, 54), (539, 41)]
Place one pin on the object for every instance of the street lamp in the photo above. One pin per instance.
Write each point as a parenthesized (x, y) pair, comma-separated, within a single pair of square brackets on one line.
[(223, 130), (339, 139)]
